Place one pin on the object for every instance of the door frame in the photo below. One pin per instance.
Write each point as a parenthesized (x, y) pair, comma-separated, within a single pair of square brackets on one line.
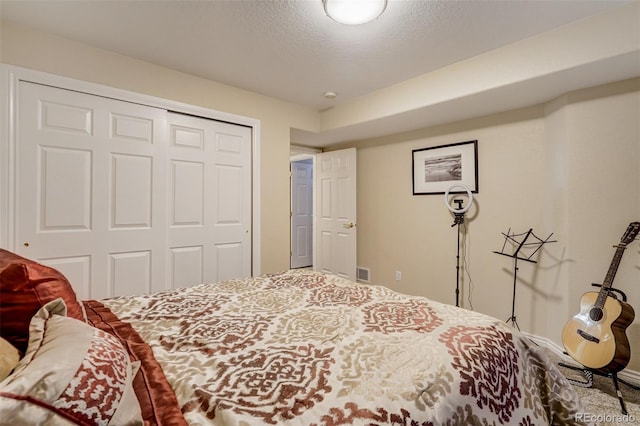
[(10, 77), (302, 153), (301, 157)]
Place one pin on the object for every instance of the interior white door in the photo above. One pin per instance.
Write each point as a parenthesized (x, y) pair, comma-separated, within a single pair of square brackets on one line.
[(209, 229), (301, 213), (89, 198), (335, 213)]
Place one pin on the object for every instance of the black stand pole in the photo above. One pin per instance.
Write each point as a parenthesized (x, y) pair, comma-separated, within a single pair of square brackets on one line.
[(458, 220), (512, 318), (458, 269), (515, 279)]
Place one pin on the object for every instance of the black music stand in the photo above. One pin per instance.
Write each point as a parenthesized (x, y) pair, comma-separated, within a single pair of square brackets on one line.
[(536, 245)]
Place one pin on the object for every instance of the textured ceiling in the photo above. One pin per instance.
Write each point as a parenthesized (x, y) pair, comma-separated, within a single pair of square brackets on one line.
[(290, 49)]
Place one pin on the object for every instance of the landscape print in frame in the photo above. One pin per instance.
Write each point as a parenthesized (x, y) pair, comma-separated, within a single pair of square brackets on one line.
[(436, 169)]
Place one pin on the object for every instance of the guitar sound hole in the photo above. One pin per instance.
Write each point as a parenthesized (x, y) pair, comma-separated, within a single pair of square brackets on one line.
[(595, 314)]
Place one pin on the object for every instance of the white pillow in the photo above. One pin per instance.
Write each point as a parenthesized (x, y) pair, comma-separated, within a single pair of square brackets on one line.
[(71, 372)]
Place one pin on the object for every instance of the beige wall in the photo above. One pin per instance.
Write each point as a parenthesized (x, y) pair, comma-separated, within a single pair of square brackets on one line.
[(40, 51), (570, 168)]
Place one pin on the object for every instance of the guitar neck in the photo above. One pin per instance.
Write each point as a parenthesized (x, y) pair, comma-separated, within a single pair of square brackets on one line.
[(611, 273)]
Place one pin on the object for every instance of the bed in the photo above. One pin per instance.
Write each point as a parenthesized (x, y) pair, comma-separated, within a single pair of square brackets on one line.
[(299, 348)]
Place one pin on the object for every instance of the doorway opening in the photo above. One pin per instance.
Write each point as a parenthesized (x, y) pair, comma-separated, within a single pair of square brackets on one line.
[(301, 213), (323, 211)]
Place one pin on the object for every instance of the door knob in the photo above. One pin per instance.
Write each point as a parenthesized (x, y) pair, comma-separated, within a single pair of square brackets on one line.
[(348, 225)]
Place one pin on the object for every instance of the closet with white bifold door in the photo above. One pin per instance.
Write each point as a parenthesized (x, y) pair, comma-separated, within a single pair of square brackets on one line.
[(125, 198)]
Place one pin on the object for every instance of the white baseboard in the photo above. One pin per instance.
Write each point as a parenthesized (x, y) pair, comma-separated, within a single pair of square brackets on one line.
[(626, 374)]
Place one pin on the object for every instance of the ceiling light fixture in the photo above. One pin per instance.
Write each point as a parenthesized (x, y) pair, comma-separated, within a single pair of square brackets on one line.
[(354, 12)]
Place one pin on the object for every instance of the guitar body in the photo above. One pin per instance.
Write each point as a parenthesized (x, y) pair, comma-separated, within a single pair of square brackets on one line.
[(596, 337)]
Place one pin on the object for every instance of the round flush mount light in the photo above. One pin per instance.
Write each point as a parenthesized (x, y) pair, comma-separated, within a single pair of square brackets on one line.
[(354, 12)]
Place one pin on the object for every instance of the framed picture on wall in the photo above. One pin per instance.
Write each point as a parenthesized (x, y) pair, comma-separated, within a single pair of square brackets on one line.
[(438, 168)]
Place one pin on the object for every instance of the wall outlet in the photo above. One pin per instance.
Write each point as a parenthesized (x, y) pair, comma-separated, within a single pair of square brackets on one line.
[(398, 275)]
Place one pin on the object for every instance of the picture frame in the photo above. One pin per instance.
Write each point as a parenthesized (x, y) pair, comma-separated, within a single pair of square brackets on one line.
[(437, 169)]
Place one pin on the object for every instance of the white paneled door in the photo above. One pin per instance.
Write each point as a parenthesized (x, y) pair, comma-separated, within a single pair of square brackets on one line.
[(124, 198), (301, 213), (335, 212)]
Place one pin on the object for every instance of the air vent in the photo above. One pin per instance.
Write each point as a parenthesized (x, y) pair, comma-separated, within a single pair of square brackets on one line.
[(363, 274)]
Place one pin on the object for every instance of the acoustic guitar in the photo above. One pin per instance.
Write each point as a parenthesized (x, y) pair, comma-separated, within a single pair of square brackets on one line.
[(596, 337)]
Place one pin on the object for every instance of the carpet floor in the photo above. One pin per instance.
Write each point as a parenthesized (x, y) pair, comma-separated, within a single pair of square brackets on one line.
[(600, 400)]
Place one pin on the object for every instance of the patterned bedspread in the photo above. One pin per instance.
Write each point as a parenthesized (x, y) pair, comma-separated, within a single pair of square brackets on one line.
[(304, 348)]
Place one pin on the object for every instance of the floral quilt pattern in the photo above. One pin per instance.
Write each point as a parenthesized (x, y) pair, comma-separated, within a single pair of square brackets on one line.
[(305, 348)]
